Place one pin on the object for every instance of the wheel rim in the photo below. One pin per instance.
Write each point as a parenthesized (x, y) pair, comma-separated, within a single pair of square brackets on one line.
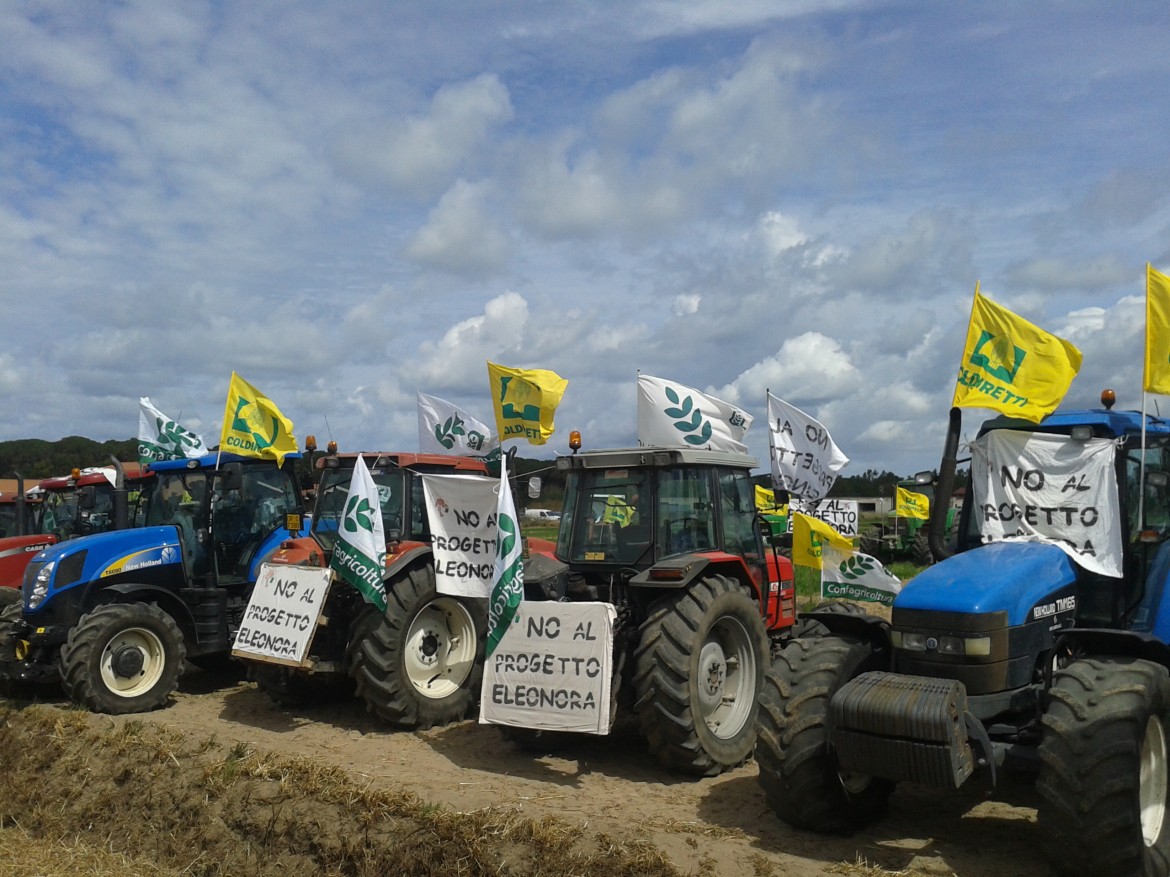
[(440, 648), (727, 678), (132, 662), (1152, 781)]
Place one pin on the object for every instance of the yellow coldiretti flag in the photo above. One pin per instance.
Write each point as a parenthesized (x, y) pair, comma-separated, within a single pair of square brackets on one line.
[(252, 424), (908, 504), (765, 499), (1011, 366), (525, 400), (1157, 378), (808, 533)]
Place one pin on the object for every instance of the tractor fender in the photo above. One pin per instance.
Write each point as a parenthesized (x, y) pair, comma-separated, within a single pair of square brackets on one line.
[(1107, 641), (679, 573), (134, 592), (396, 563)]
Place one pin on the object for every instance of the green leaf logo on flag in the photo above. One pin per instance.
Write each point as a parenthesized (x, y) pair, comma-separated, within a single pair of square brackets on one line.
[(688, 418), (359, 557), (508, 580)]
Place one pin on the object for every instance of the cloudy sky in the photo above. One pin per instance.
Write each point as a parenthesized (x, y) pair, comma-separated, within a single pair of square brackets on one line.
[(349, 202)]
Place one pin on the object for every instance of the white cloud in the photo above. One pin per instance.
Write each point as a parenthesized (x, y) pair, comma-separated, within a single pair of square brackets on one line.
[(461, 235)]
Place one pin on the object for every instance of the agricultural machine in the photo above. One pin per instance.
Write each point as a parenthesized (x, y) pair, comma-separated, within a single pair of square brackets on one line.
[(85, 501), (419, 663), (671, 539), (905, 538), (1038, 647), (113, 615)]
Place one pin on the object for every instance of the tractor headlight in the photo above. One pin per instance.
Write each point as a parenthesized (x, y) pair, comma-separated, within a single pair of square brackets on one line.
[(911, 642), (973, 646), (40, 584)]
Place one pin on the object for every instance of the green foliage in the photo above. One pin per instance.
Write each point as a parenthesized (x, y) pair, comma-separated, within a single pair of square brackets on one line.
[(36, 458)]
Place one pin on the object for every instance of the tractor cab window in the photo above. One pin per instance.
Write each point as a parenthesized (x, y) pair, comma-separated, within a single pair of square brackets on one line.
[(612, 517), (685, 522), (333, 492), (59, 514), (419, 527), (241, 518), (738, 498)]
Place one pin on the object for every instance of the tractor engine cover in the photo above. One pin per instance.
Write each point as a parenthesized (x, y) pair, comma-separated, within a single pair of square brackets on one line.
[(902, 728)]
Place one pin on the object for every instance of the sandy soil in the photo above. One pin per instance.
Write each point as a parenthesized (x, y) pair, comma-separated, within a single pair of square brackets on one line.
[(720, 826)]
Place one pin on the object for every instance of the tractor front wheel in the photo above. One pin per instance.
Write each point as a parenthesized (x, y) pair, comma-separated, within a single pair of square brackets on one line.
[(422, 664), (698, 671), (1103, 779), (798, 770), (123, 658)]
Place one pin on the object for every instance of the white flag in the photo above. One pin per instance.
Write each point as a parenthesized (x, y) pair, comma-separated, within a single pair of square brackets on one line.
[(359, 557), (673, 415), (160, 438), (805, 459), (855, 576), (508, 581), (444, 428)]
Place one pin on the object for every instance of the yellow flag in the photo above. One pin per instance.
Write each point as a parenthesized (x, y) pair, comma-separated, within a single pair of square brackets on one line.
[(1011, 366), (765, 500), (808, 533), (253, 426), (1157, 378), (525, 400), (908, 504)]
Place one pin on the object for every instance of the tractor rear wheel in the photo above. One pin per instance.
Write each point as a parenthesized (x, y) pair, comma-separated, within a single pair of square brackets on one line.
[(798, 770), (10, 596), (422, 664), (1104, 774), (123, 658), (698, 671)]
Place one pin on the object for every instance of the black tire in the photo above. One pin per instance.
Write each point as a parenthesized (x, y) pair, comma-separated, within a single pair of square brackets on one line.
[(812, 627), (423, 663), (1103, 769), (9, 597), (798, 771), (17, 688), (123, 658), (698, 670), (920, 549)]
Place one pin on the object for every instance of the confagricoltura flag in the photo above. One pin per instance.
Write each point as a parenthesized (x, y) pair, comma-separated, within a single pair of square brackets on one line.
[(508, 581), (675, 415), (253, 426), (359, 557), (160, 438), (1012, 366)]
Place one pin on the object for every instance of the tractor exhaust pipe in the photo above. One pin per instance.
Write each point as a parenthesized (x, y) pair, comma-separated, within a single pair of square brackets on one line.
[(936, 537)]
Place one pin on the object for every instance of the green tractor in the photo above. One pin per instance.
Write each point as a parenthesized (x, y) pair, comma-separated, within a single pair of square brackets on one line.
[(899, 536)]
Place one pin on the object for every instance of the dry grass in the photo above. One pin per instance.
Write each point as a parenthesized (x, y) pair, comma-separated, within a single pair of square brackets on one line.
[(80, 795)]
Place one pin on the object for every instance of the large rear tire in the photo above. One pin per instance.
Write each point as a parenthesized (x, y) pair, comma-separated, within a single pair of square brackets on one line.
[(698, 672), (9, 597), (423, 663), (798, 770), (1103, 779), (123, 658)]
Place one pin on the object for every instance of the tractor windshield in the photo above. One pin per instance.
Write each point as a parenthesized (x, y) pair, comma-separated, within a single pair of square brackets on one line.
[(633, 516), (334, 490)]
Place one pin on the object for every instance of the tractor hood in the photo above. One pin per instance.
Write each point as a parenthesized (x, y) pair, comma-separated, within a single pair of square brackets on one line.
[(1011, 577), (112, 544)]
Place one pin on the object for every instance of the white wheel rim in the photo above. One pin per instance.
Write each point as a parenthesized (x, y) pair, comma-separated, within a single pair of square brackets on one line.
[(726, 681), (134, 647), (440, 648), (1152, 781)]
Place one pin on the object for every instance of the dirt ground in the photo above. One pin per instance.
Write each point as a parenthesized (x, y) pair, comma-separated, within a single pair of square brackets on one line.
[(719, 826)]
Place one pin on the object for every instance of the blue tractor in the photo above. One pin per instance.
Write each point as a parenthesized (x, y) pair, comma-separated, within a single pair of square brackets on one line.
[(1038, 646), (112, 616)]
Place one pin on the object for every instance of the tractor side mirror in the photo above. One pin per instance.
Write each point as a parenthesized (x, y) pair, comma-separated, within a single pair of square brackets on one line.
[(232, 476), (87, 498), (534, 487)]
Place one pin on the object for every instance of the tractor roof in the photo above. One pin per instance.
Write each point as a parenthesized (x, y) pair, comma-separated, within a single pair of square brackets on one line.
[(656, 457), (1105, 423), (375, 459), (210, 460)]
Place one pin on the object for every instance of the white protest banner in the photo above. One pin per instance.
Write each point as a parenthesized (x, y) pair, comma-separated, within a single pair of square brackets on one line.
[(445, 428), (840, 514), (551, 670), (1049, 488), (281, 616), (856, 576), (805, 459), (675, 415), (462, 513)]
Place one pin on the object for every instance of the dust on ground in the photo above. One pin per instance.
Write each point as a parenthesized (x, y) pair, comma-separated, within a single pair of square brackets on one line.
[(605, 803)]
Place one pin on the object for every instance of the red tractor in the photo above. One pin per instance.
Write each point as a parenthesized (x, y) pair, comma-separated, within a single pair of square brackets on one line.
[(83, 502), (415, 665)]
